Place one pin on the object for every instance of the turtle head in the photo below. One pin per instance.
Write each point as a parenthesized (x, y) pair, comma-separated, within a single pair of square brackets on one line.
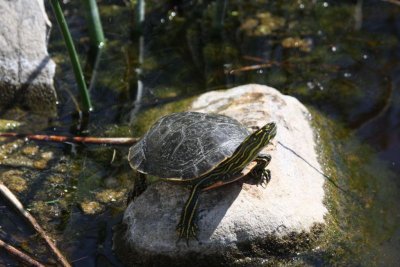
[(251, 146), (268, 131), (265, 133)]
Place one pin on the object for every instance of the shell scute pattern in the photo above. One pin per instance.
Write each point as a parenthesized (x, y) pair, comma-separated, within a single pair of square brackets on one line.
[(186, 145)]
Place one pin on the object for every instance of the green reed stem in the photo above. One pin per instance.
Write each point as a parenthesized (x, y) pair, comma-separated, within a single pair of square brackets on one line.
[(76, 66), (94, 23)]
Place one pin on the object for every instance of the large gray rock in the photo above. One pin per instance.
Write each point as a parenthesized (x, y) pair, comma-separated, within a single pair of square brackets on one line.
[(26, 70), (239, 220)]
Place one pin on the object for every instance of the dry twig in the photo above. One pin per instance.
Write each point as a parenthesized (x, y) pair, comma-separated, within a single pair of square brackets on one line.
[(74, 139), (24, 257), (7, 194)]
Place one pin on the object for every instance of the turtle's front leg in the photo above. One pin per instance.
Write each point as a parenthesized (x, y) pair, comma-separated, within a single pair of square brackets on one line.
[(259, 172), (187, 227)]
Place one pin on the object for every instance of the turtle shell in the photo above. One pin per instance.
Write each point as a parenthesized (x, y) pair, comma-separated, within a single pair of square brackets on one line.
[(186, 145)]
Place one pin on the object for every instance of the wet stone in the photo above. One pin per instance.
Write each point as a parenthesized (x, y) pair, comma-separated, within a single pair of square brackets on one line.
[(241, 219)]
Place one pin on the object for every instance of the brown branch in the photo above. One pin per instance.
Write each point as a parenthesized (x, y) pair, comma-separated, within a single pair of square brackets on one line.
[(19, 207), (251, 67), (257, 59), (269, 63), (22, 256), (74, 139), (264, 64)]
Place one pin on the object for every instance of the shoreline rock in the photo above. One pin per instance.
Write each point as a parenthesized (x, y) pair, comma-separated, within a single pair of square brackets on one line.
[(26, 69), (239, 220)]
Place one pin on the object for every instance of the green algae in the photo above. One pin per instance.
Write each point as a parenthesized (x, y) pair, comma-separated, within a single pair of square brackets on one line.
[(263, 23), (6, 125), (14, 180), (358, 197)]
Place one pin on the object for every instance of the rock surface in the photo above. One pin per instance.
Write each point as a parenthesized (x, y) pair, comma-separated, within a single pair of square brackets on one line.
[(26, 70), (239, 220)]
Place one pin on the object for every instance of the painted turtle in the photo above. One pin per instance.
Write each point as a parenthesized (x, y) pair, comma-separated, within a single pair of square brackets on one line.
[(203, 151)]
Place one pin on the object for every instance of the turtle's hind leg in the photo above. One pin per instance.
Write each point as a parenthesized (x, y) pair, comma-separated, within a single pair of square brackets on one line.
[(139, 186), (187, 226)]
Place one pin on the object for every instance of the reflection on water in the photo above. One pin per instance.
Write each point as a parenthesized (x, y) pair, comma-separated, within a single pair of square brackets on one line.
[(339, 58)]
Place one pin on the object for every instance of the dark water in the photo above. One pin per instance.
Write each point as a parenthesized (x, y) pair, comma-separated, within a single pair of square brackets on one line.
[(340, 58)]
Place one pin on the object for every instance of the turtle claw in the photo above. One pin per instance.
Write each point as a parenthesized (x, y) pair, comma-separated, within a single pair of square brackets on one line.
[(187, 231), (261, 175), (259, 172), (266, 177)]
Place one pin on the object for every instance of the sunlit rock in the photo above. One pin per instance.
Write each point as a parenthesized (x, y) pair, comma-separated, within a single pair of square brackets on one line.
[(239, 220), (26, 70)]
